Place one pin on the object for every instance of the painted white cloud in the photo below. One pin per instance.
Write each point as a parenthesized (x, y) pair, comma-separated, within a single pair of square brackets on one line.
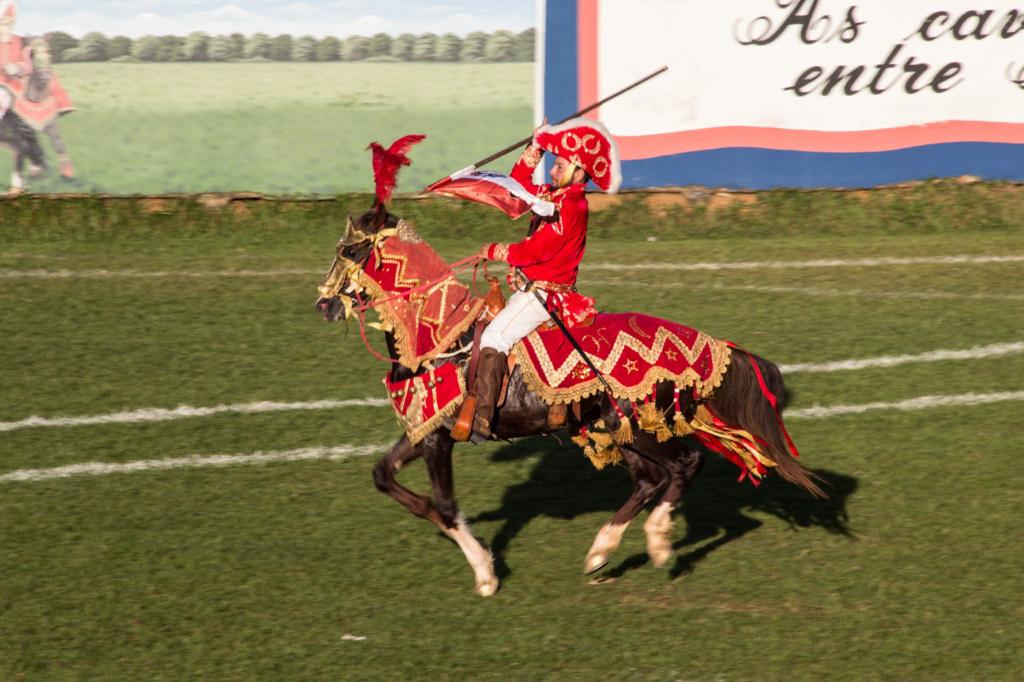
[(315, 17), (224, 13)]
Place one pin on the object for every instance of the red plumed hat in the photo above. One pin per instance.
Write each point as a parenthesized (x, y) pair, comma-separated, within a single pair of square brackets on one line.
[(387, 162), (587, 144)]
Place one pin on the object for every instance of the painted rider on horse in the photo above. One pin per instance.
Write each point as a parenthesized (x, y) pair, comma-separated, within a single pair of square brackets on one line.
[(547, 260)]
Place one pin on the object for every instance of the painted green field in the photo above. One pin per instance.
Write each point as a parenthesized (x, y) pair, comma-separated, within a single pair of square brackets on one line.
[(301, 570), (279, 128)]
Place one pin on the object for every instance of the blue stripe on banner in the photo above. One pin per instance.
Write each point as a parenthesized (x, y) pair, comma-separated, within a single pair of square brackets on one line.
[(747, 168), (561, 75)]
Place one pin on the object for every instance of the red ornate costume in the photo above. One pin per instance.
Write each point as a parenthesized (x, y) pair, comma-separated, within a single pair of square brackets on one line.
[(549, 257), (554, 249)]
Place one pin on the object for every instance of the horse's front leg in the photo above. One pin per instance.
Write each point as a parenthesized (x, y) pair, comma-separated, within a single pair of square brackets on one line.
[(437, 452), (649, 479), (384, 477)]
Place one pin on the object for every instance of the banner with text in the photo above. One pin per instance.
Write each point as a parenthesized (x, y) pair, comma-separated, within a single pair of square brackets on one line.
[(794, 93)]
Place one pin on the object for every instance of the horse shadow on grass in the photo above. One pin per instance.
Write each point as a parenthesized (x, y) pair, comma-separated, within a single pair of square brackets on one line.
[(714, 512)]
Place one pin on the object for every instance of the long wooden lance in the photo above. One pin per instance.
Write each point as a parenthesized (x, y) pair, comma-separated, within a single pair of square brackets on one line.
[(516, 145)]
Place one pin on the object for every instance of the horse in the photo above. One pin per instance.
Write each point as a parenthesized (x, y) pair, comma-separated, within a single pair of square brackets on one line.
[(46, 99), (662, 468)]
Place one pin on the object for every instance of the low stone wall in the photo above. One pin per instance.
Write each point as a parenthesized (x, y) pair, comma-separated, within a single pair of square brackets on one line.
[(659, 200)]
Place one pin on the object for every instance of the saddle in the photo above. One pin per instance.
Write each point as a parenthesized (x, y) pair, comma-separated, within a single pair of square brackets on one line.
[(462, 429)]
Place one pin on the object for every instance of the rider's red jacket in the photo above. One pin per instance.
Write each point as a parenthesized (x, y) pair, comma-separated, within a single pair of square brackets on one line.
[(553, 251)]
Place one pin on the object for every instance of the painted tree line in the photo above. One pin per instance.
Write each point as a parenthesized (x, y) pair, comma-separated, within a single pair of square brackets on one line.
[(499, 46)]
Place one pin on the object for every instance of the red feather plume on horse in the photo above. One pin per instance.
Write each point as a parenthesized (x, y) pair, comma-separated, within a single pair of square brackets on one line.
[(386, 163)]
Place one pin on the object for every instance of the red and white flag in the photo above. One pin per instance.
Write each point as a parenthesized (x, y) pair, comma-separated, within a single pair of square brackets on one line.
[(493, 189)]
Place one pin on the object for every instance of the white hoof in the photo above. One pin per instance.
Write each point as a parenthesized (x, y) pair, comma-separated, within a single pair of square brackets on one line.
[(479, 558), (595, 562), (487, 588), (660, 553), (658, 530), (606, 542)]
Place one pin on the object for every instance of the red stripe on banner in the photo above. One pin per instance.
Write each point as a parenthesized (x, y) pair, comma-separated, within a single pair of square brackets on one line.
[(851, 141), (586, 49)]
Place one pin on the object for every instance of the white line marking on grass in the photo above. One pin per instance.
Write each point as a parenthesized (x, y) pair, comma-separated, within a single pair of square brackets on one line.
[(343, 451), (821, 263), (192, 462), (811, 291), (815, 291), (975, 353), (157, 414), (738, 265), (136, 274), (913, 404)]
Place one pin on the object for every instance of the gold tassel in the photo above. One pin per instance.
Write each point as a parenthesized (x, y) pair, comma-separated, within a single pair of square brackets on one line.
[(609, 455), (591, 454), (652, 420), (648, 417), (624, 434), (599, 446), (680, 426), (602, 440)]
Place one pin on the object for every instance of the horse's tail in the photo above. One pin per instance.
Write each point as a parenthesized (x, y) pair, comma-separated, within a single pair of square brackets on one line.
[(741, 401)]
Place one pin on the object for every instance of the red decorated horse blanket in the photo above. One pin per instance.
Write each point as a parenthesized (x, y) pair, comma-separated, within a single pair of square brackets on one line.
[(423, 401), (633, 352)]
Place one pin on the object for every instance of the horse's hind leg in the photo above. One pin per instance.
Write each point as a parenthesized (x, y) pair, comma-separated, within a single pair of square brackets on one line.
[(438, 454), (649, 479), (683, 468)]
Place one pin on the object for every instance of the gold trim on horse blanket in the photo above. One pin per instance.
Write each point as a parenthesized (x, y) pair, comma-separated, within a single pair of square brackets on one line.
[(427, 323), (634, 352)]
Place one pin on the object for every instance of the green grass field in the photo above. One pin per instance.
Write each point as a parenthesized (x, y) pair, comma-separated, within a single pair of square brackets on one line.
[(910, 572), (279, 128)]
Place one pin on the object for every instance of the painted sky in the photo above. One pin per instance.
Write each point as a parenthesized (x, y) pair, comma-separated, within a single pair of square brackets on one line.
[(320, 18)]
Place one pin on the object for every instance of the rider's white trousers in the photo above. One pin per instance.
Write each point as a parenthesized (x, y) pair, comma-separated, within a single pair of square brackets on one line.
[(522, 314)]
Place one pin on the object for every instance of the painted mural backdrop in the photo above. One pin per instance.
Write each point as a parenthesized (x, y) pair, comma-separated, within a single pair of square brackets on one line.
[(806, 93), (254, 96)]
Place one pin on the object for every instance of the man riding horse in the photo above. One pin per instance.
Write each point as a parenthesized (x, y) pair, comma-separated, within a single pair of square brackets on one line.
[(636, 368), (547, 261)]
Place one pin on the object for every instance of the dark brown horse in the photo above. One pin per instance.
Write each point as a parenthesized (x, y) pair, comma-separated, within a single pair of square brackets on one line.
[(661, 471)]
